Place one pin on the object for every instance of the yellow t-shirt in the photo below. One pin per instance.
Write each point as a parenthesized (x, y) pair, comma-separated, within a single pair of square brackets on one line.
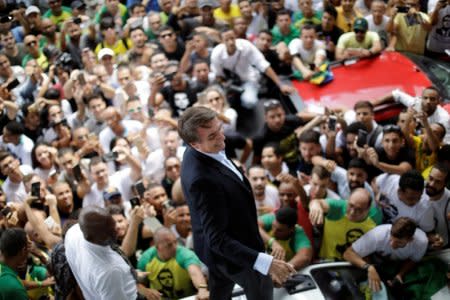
[(346, 24), (410, 38), (171, 277), (423, 160), (234, 12), (348, 40), (119, 47), (339, 232)]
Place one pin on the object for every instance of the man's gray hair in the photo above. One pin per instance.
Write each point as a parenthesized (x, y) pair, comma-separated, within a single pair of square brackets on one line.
[(192, 119)]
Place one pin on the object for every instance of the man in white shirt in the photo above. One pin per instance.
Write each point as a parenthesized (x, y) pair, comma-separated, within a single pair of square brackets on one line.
[(116, 127), (240, 58), (307, 51), (439, 199), (401, 241), (429, 103), (13, 187), (16, 142), (318, 185), (266, 196), (402, 196), (101, 272)]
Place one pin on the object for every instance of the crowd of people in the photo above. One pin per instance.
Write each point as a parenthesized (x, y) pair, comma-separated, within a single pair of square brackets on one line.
[(96, 100)]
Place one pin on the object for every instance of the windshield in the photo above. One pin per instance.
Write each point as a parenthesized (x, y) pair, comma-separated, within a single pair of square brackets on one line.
[(438, 71)]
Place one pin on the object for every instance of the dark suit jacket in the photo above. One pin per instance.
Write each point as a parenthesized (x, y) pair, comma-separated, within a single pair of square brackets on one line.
[(223, 213)]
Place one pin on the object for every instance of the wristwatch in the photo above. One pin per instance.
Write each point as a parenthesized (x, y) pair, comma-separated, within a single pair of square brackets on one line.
[(366, 267)]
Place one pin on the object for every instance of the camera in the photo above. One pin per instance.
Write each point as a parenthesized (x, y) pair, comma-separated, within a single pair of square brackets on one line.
[(403, 9), (112, 156), (58, 122)]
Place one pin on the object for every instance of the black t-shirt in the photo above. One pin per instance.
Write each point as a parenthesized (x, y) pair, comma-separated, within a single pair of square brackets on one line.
[(177, 54), (405, 155), (179, 101), (332, 36), (285, 137)]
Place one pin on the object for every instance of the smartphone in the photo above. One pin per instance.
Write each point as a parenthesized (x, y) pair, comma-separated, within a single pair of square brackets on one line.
[(332, 123), (402, 9), (36, 189), (77, 21), (140, 188), (135, 202), (81, 78), (151, 112), (77, 173), (166, 204), (417, 106), (12, 84), (112, 156), (362, 138)]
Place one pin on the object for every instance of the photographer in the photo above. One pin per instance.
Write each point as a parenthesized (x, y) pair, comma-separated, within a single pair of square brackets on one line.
[(408, 28)]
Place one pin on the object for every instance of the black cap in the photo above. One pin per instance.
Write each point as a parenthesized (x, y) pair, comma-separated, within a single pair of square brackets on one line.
[(78, 5)]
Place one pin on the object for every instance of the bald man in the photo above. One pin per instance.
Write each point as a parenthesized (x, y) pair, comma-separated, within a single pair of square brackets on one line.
[(343, 221), (100, 272), (116, 126)]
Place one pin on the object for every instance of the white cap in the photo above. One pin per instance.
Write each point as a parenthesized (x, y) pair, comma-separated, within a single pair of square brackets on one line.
[(103, 52), (32, 9)]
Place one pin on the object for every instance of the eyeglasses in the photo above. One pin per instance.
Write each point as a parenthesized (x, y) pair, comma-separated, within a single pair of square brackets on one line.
[(132, 110), (391, 128), (31, 44), (271, 104), (163, 36)]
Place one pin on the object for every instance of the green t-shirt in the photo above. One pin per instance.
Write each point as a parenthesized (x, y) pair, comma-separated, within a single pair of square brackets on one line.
[(339, 232), (65, 15), (278, 37), (38, 273), (10, 285), (292, 245), (298, 19), (123, 11), (171, 278)]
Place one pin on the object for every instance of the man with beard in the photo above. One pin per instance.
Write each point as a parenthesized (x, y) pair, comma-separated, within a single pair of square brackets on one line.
[(439, 199), (14, 246), (429, 102), (140, 52), (358, 43), (266, 196), (346, 180), (49, 35)]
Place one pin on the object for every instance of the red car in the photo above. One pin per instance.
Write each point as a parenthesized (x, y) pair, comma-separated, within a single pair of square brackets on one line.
[(367, 79)]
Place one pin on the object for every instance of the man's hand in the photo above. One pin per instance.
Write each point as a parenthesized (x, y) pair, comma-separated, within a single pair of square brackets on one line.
[(150, 294), (203, 294), (374, 279), (48, 281), (278, 251), (436, 241), (287, 89), (280, 271), (396, 280), (137, 214), (316, 213), (372, 156), (51, 200)]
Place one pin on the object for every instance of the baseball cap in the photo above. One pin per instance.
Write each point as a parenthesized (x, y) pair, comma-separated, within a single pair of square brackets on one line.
[(32, 9), (103, 52), (204, 3), (360, 24), (111, 192), (77, 5)]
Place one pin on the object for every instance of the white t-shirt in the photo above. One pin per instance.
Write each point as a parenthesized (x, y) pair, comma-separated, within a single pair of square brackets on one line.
[(421, 213), (22, 150), (441, 208), (307, 55), (377, 241), (120, 179), (271, 198), (377, 28), (100, 272), (339, 175), (106, 135), (440, 115), (154, 165), (15, 192)]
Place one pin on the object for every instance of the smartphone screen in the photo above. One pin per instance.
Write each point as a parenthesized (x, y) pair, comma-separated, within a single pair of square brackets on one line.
[(13, 84), (77, 172), (81, 79), (36, 189), (362, 138), (332, 123), (134, 202), (140, 188)]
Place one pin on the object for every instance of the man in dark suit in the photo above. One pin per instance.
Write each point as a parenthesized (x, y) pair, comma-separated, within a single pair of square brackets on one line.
[(223, 213)]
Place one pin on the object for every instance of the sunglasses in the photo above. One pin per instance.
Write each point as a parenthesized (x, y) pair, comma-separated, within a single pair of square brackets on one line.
[(270, 104), (30, 44), (163, 36), (359, 31), (391, 128)]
